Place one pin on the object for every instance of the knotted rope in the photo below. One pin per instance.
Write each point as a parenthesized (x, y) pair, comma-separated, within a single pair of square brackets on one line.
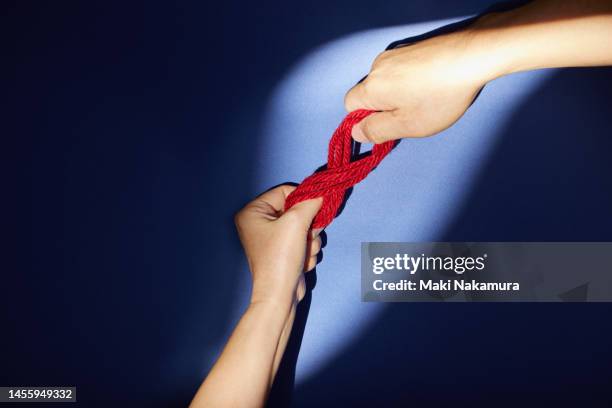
[(340, 173)]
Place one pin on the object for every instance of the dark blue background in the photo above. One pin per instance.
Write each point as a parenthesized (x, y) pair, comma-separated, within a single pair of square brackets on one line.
[(129, 132)]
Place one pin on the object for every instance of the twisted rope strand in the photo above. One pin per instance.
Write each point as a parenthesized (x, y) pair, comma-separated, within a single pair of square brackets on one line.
[(341, 173)]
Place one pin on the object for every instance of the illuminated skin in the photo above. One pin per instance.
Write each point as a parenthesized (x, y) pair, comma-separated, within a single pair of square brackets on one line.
[(421, 89), (424, 88), (280, 248)]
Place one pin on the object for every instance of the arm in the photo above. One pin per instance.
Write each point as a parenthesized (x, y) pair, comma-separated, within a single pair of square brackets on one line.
[(279, 248), (424, 88)]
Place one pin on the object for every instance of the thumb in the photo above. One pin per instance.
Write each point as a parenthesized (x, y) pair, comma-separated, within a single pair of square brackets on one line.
[(305, 211), (380, 127)]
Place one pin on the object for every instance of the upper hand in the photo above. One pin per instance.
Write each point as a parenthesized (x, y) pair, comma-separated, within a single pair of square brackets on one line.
[(419, 89)]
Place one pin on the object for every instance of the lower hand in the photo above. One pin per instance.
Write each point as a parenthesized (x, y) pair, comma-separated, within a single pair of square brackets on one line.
[(280, 246)]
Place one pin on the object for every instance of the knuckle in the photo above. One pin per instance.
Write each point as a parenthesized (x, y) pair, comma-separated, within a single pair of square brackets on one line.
[(356, 96), (348, 100), (312, 262), (366, 86), (381, 62), (315, 246), (239, 218), (287, 189), (315, 261), (380, 58)]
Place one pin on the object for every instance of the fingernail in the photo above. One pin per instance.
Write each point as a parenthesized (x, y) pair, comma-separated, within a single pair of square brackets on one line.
[(358, 134)]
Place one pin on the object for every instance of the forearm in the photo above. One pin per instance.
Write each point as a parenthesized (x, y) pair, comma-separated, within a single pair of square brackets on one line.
[(245, 370), (282, 343), (544, 34)]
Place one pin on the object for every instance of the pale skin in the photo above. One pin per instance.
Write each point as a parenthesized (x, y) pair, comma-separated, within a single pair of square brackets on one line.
[(280, 247), (418, 90), (424, 88)]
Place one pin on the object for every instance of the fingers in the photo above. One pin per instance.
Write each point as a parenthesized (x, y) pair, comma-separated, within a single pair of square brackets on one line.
[(315, 232), (277, 196), (270, 204), (303, 213), (312, 251), (314, 246), (266, 206), (357, 98), (387, 124), (301, 288), (310, 264), (380, 127)]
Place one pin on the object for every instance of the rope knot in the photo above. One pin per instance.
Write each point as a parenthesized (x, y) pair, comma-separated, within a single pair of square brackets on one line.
[(340, 173)]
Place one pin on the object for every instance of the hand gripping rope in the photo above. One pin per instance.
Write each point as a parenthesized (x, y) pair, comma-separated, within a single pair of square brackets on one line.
[(340, 173)]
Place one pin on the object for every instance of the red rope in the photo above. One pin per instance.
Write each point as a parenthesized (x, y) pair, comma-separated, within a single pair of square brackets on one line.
[(341, 173)]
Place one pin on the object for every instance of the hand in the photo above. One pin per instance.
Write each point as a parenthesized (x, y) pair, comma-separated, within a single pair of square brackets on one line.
[(420, 89), (279, 245), (423, 88)]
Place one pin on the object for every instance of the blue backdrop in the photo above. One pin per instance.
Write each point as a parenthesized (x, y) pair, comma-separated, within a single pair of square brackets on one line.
[(135, 131)]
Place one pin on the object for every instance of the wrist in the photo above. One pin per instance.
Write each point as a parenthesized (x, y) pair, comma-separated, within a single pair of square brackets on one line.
[(491, 46), (272, 312), (276, 302)]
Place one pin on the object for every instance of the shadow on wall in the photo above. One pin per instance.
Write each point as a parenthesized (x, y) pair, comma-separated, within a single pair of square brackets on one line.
[(549, 179)]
